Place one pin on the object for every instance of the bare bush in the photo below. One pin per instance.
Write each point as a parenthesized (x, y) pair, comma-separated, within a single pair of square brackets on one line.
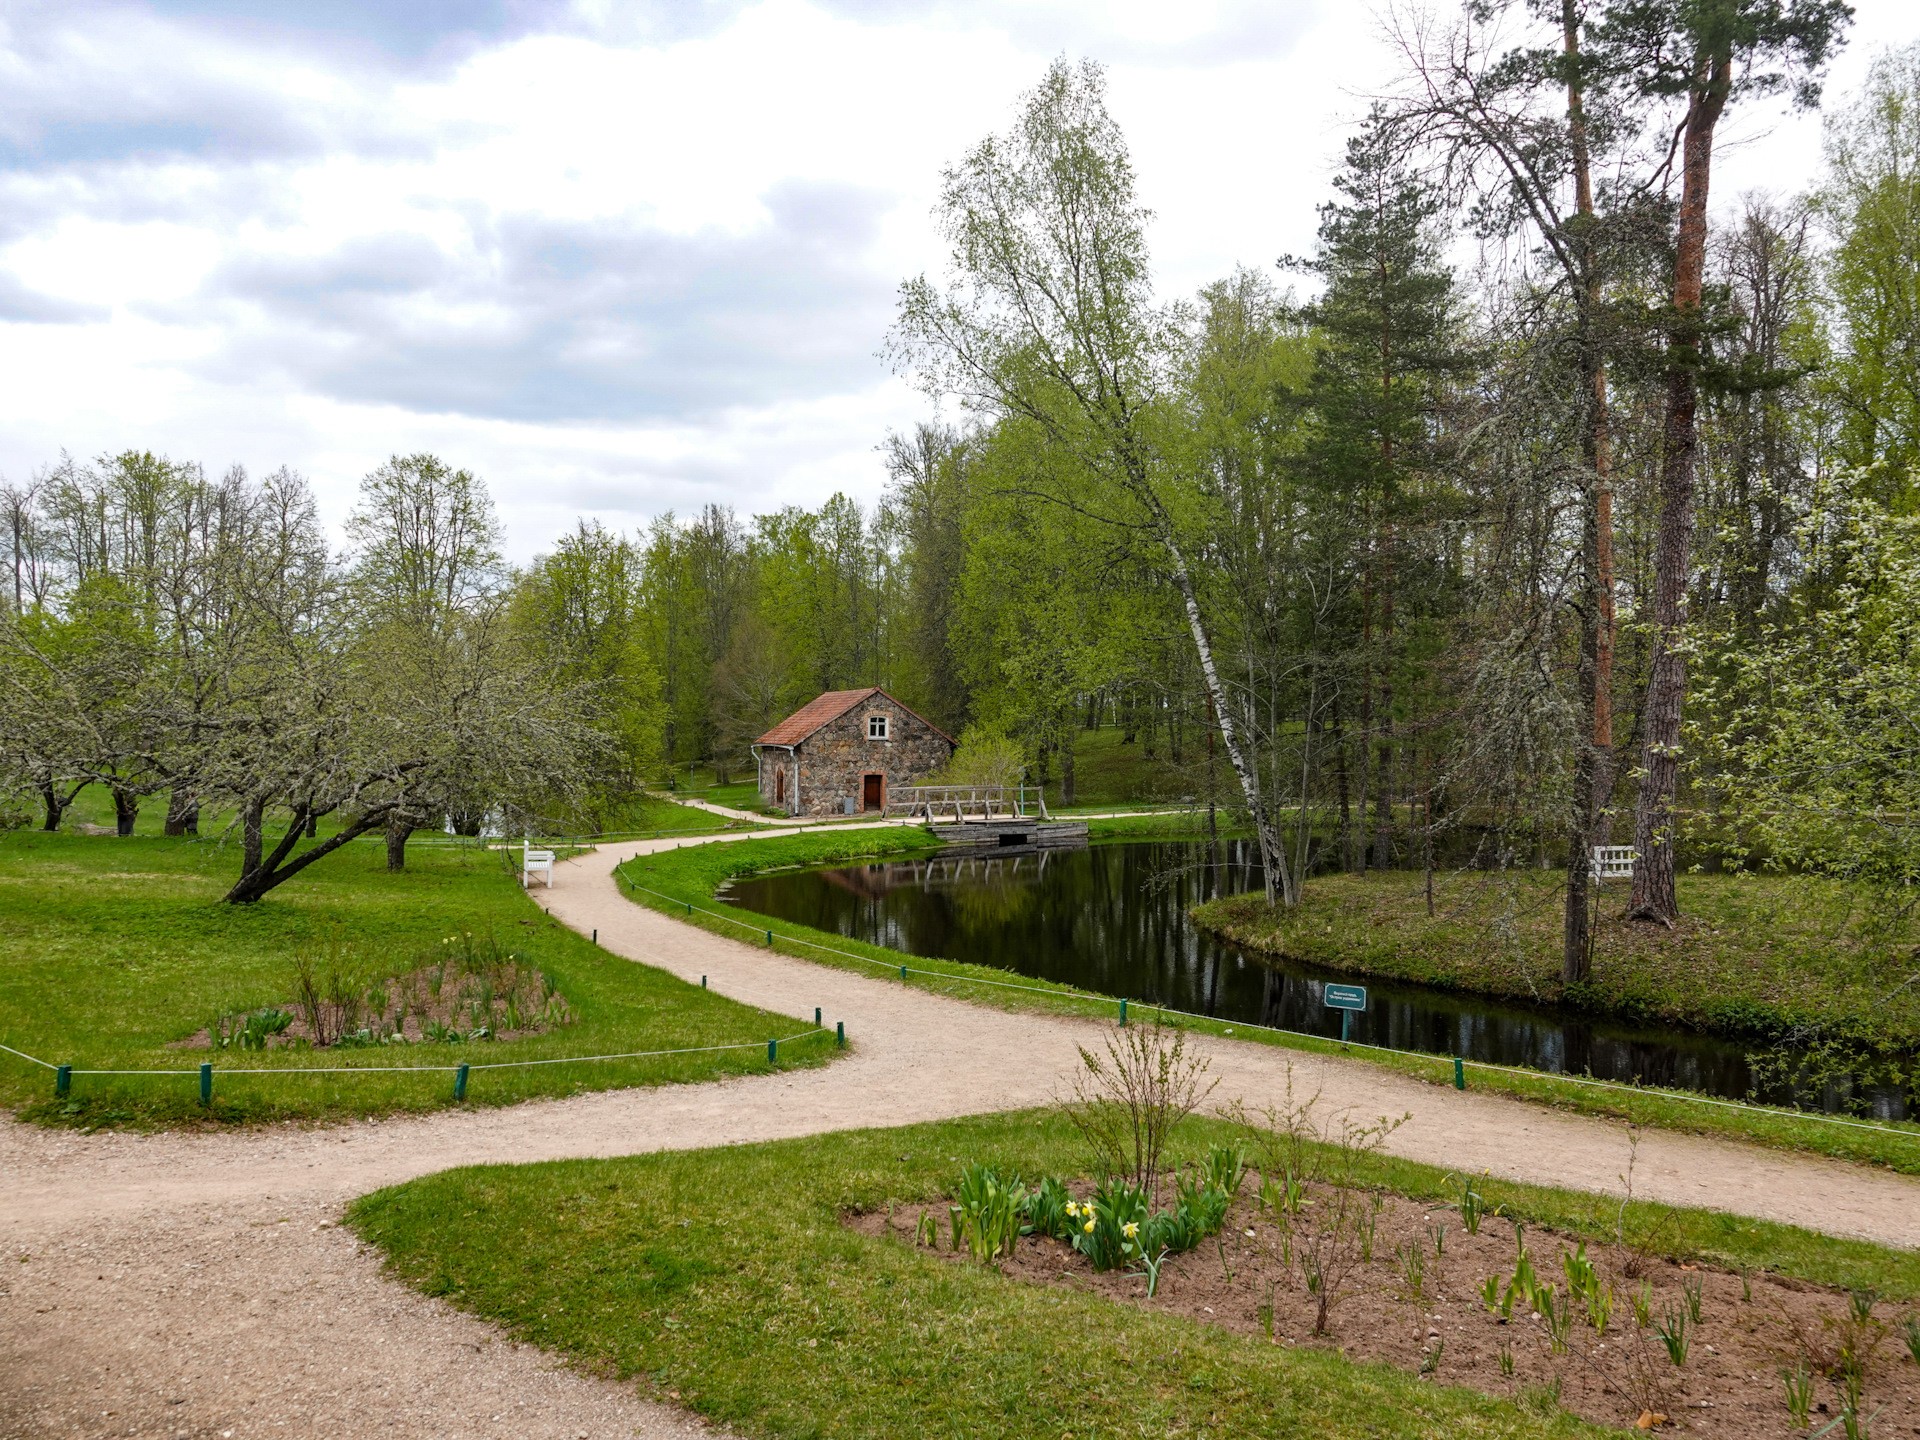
[(1128, 1103)]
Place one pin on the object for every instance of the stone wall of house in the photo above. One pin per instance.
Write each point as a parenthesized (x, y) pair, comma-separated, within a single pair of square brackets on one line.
[(833, 762)]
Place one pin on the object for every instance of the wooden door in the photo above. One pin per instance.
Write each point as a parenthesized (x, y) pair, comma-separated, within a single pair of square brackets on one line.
[(871, 799), (780, 786)]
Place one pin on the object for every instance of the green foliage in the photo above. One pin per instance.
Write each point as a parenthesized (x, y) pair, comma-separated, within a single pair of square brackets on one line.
[(1594, 1291), (987, 1212), (1810, 740), (1047, 1212), (1871, 198), (1471, 1205), (1799, 1386), (580, 608), (1108, 1225), (1672, 1330)]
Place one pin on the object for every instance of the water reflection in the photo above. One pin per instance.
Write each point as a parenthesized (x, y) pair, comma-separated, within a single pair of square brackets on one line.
[(1113, 919)]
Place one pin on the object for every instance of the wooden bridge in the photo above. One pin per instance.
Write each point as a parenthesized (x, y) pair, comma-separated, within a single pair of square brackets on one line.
[(986, 816), (964, 803)]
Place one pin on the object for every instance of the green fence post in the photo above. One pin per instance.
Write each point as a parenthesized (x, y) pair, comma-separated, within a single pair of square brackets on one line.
[(703, 982), (689, 907), (1459, 1074), (903, 972), (769, 937), (773, 1052), (816, 1015), (206, 1084), (1123, 1012), (460, 1083), (840, 1032), (1346, 1025), (596, 937), (63, 1080)]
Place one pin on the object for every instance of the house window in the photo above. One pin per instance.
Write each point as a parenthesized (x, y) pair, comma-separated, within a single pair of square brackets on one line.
[(876, 727)]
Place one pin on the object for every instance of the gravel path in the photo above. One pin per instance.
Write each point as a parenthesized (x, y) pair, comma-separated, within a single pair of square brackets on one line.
[(195, 1285)]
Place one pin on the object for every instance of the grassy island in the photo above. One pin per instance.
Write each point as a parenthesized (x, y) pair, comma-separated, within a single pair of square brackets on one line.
[(1764, 956)]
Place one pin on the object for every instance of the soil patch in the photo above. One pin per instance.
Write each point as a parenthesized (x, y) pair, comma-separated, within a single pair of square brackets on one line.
[(1428, 1316), (471, 995)]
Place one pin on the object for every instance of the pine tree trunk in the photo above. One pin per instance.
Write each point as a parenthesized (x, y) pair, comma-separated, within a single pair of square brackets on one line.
[(1654, 896)]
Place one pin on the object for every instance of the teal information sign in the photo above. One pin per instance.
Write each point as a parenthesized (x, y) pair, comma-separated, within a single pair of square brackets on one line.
[(1346, 997)]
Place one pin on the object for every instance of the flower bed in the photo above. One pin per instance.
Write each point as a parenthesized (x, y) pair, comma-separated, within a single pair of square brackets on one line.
[(1615, 1334)]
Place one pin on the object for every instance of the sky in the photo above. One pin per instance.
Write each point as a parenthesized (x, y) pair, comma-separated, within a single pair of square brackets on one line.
[(617, 259)]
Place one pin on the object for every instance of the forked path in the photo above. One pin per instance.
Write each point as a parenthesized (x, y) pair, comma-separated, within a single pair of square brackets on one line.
[(198, 1285)]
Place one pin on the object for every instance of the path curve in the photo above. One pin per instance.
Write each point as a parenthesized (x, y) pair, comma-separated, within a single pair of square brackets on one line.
[(196, 1284)]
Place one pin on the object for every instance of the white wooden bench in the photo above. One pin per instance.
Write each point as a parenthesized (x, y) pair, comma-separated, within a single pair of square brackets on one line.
[(1613, 862), (532, 860)]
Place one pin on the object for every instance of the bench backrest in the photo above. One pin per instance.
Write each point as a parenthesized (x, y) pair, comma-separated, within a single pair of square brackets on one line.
[(1614, 861)]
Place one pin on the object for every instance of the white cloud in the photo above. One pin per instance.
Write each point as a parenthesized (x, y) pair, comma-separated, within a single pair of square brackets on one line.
[(618, 259)]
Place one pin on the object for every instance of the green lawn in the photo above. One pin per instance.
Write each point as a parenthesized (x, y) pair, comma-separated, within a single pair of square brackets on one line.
[(112, 948), (691, 876), (724, 1279), (1754, 954)]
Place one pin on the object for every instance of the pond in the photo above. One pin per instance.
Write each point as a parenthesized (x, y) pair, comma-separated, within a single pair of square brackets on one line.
[(1113, 919)]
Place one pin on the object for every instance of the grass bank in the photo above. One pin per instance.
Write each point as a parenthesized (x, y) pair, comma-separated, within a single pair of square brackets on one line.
[(1753, 955), (724, 1280), (689, 877), (112, 951)]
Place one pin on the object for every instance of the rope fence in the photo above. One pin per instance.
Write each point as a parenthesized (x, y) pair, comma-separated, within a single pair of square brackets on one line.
[(1460, 1062), (64, 1074)]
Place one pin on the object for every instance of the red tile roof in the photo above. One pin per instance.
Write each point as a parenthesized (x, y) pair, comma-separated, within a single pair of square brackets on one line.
[(826, 709)]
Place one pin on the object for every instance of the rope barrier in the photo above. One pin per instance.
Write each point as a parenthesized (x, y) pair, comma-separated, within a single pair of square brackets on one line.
[(437, 1069), (1060, 994)]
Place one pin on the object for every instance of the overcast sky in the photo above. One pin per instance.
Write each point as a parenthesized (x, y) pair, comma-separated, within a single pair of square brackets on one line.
[(617, 258)]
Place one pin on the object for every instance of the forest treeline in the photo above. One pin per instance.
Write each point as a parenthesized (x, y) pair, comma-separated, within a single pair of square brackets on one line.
[(1543, 495)]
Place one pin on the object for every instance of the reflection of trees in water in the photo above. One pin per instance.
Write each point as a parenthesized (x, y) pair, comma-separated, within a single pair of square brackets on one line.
[(1114, 919)]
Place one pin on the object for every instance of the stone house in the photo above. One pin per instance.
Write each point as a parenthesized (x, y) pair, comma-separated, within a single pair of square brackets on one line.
[(843, 754)]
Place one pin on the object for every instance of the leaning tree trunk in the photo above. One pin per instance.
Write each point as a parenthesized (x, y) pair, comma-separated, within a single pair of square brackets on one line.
[(1654, 896), (261, 872), (126, 809), (1273, 859), (252, 835), (55, 807)]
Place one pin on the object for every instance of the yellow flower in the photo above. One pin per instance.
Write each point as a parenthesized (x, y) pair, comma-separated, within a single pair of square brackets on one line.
[(1130, 1229), (1088, 1227)]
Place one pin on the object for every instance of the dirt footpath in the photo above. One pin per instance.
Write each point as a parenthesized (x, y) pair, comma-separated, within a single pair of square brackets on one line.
[(194, 1285)]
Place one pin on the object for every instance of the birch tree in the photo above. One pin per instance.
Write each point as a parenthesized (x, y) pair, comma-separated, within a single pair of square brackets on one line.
[(1048, 316)]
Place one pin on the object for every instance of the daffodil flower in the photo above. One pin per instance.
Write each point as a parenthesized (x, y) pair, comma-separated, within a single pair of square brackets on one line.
[(1130, 1229), (1088, 1227)]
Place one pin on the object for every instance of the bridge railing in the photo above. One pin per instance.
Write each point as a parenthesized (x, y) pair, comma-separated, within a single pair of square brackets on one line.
[(961, 803)]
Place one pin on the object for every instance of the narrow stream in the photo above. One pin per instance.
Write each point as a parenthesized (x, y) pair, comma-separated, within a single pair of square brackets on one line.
[(1107, 919)]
